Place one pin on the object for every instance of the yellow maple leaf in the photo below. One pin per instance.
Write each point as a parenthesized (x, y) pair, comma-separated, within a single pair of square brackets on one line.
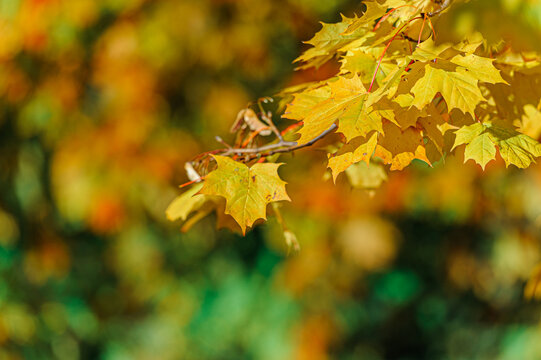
[(359, 149), (459, 90), (247, 191), (399, 147), (345, 93)]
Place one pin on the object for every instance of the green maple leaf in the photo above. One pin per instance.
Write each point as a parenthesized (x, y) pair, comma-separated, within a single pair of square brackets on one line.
[(515, 148), (466, 134), (460, 90), (482, 150), (482, 139), (247, 191)]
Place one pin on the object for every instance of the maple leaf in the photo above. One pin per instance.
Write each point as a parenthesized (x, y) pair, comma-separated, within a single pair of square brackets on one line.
[(459, 89), (399, 147), (428, 50), (359, 149), (481, 149), (466, 134), (481, 140), (365, 114), (183, 205), (374, 10), (327, 41), (191, 206), (357, 120), (344, 93), (363, 63), (399, 110), (515, 148), (531, 121), (431, 125), (479, 146), (247, 191), (479, 67), (304, 102)]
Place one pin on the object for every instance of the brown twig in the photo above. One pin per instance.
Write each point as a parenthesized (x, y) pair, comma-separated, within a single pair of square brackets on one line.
[(268, 119), (279, 147), (301, 146)]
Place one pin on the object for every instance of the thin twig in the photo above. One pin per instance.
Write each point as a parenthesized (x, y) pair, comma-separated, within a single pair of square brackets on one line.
[(385, 50), (268, 119), (297, 147), (384, 17), (280, 147), (252, 135), (221, 141), (259, 149)]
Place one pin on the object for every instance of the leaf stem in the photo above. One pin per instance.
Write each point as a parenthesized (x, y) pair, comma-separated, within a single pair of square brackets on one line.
[(386, 48), (384, 17), (422, 28), (432, 27)]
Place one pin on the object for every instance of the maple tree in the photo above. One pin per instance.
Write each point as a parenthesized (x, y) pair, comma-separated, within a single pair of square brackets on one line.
[(398, 96)]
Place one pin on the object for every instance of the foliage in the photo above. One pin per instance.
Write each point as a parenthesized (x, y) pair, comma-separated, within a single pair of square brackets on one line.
[(102, 103), (398, 96)]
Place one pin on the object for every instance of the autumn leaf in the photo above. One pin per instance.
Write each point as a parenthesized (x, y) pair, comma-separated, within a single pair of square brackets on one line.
[(247, 191), (393, 98), (399, 147), (481, 149), (374, 10), (482, 139), (186, 203), (345, 93), (460, 90), (431, 125), (400, 110), (359, 149), (357, 120), (304, 102), (479, 67), (327, 41), (362, 63), (428, 50)]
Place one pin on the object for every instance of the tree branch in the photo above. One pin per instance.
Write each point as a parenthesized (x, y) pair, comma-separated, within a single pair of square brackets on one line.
[(279, 147)]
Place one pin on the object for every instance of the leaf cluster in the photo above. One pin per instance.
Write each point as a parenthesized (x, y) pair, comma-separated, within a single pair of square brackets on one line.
[(398, 96)]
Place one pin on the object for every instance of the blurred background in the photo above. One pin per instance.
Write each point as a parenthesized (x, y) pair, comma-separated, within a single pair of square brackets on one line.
[(101, 104)]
